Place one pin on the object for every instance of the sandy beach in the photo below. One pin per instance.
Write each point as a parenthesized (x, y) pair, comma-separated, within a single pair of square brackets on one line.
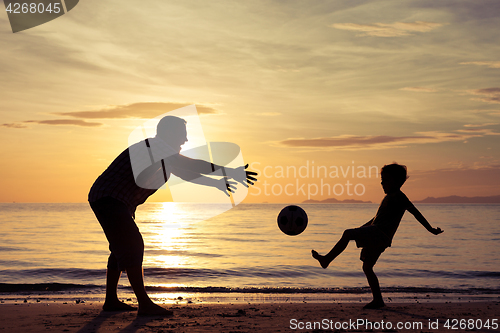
[(277, 317)]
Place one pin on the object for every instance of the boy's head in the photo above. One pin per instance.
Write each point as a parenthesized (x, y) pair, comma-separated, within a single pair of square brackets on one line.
[(393, 176)]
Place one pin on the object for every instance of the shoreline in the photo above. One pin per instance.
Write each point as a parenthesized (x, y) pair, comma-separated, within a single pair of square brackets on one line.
[(184, 297), (257, 317)]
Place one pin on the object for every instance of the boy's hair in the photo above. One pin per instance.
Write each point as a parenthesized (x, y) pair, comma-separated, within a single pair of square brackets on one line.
[(396, 171)]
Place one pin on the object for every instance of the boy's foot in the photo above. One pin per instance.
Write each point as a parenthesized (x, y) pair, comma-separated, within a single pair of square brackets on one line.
[(117, 306), (153, 310), (323, 261), (374, 305)]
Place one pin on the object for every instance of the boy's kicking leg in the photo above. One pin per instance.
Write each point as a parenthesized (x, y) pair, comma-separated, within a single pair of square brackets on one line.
[(336, 250)]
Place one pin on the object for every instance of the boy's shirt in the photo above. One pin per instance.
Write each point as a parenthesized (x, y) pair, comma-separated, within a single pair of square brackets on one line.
[(390, 213)]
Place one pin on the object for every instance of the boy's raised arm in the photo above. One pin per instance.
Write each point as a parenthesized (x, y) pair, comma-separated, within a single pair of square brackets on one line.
[(420, 218)]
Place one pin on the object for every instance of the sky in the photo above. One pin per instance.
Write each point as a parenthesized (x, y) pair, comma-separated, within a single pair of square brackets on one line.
[(309, 90)]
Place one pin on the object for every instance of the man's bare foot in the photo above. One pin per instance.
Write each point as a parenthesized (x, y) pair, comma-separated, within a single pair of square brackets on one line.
[(374, 305), (117, 306), (323, 261), (153, 310)]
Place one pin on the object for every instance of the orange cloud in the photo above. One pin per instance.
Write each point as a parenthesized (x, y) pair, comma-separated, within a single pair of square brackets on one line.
[(352, 142), (419, 89), (269, 114), (14, 125), (483, 131), (480, 125), (490, 95), (74, 122), (135, 110), (482, 180), (397, 29), (490, 64)]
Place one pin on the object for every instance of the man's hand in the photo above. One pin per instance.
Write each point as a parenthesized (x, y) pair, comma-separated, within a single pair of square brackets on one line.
[(237, 175), (436, 231), (226, 186)]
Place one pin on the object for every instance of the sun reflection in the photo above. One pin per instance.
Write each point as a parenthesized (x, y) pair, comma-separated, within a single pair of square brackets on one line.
[(171, 285), (168, 212), (165, 261), (167, 233)]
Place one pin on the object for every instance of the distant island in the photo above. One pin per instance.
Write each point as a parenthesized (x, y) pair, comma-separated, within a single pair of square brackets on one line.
[(458, 199), (333, 200), (450, 199)]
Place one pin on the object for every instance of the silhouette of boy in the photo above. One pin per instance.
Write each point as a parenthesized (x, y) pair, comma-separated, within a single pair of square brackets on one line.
[(117, 192), (376, 235)]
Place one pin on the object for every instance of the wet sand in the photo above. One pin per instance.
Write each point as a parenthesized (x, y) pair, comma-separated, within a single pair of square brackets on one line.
[(277, 317)]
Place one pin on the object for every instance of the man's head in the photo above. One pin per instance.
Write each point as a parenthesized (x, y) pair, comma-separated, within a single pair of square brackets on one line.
[(172, 130), (393, 177)]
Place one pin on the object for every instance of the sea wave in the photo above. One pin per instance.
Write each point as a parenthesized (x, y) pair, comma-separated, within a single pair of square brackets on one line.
[(260, 272), (68, 287)]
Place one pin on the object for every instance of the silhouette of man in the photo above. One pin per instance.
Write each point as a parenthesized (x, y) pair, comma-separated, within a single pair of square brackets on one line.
[(128, 181)]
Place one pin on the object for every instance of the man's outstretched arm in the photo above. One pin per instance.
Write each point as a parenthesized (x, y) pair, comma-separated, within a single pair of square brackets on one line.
[(420, 218), (203, 167), (222, 184)]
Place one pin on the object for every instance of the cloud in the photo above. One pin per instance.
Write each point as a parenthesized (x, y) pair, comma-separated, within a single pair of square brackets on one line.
[(269, 114), (135, 110), (14, 125), (352, 142), (72, 122), (490, 112), (75, 122), (480, 179), (483, 131), (490, 64), (419, 89), (489, 95), (480, 125), (397, 29)]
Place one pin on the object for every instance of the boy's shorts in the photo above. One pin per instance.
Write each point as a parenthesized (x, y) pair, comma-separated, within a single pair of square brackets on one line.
[(372, 241)]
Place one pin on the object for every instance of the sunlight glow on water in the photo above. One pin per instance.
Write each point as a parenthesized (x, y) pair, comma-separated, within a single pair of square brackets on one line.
[(243, 247), (164, 233)]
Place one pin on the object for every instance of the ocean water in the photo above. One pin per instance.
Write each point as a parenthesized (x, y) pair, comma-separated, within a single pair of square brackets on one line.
[(60, 249)]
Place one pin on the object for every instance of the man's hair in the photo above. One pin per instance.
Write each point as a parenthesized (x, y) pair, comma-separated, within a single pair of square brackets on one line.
[(396, 171), (169, 123)]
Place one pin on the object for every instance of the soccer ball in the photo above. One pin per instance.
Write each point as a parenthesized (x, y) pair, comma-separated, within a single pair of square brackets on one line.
[(292, 220)]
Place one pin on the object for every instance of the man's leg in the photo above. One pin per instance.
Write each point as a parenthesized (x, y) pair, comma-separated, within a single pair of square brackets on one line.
[(112, 278), (112, 303), (146, 305), (377, 302), (336, 250), (127, 248)]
